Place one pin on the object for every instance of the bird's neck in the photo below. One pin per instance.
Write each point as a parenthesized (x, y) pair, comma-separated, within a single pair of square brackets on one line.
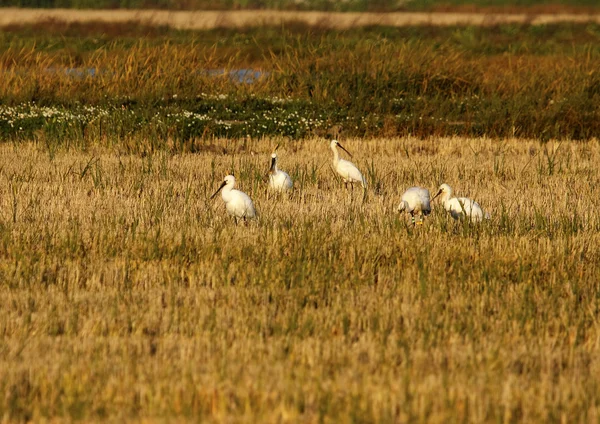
[(336, 155), (445, 197), (226, 193)]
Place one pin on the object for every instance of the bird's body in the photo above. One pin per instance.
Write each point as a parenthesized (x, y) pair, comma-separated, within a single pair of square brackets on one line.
[(416, 201), (346, 169), (237, 203), (278, 179), (460, 207)]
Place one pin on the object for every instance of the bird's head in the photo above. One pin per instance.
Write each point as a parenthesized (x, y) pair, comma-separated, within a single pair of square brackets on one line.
[(229, 181), (273, 165), (273, 161), (274, 154), (444, 189), (335, 143)]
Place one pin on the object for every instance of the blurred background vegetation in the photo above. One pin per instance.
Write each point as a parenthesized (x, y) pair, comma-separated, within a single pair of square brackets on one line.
[(325, 5)]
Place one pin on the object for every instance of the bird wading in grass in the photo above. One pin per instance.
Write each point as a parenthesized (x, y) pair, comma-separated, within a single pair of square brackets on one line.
[(460, 208), (415, 201), (346, 169), (278, 180), (238, 204)]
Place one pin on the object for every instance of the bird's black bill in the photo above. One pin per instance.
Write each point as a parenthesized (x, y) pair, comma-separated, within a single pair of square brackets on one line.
[(272, 168), (344, 149), (216, 192), (438, 193)]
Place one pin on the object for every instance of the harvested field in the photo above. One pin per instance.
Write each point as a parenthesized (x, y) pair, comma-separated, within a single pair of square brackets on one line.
[(202, 20), (127, 294)]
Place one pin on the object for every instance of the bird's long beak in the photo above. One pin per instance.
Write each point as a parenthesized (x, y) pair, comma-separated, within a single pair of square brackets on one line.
[(272, 168), (344, 149), (438, 193), (223, 184)]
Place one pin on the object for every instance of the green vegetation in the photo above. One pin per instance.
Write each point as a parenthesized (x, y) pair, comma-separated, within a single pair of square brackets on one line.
[(527, 81)]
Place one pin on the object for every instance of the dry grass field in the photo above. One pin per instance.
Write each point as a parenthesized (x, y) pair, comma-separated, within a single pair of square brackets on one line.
[(127, 294), (209, 19)]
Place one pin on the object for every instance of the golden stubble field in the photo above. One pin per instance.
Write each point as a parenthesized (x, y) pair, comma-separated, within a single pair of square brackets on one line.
[(209, 19), (127, 294)]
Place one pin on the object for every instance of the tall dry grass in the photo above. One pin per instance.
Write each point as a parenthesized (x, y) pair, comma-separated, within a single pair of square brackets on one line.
[(337, 15), (125, 293)]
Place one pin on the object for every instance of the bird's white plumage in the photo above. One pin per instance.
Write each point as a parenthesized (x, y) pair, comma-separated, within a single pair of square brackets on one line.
[(278, 179), (346, 169), (237, 203), (460, 207), (416, 201)]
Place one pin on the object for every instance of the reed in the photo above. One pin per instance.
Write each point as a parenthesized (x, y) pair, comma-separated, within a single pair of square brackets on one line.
[(504, 81)]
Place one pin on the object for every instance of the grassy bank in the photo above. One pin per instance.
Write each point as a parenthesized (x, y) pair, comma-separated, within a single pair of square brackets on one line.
[(127, 294), (171, 87)]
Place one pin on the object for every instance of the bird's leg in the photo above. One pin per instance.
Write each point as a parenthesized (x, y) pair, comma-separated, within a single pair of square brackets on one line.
[(346, 184), (412, 218), (235, 220)]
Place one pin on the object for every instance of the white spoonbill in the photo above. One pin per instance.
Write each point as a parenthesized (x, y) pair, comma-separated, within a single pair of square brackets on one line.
[(346, 169), (237, 203), (278, 180), (416, 201), (459, 207)]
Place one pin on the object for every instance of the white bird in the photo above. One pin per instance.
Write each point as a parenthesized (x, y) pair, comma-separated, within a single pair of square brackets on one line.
[(346, 169), (278, 179), (416, 201), (237, 203), (460, 207)]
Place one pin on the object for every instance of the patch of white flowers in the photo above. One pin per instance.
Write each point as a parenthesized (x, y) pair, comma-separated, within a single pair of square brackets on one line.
[(277, 119), (226, 116), (21, 115)]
